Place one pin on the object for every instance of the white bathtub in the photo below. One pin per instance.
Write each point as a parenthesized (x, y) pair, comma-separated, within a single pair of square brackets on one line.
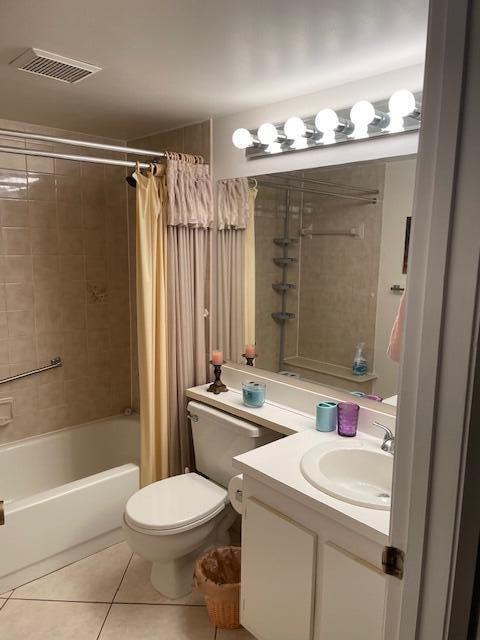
[(64, 495)]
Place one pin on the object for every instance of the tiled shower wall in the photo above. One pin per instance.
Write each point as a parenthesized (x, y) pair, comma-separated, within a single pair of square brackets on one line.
[(64, 286), (194, 139), (336, 277)]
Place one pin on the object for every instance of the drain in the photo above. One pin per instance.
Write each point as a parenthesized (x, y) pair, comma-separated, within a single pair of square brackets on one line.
[(383, 495)]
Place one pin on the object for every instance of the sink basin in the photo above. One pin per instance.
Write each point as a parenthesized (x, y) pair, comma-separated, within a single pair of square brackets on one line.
[(353, 473)]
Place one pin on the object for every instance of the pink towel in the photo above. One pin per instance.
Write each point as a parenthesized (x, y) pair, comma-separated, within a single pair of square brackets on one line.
[(396, 337)]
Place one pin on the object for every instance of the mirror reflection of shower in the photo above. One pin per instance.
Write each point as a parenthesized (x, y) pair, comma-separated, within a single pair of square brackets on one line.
[(329, 257)]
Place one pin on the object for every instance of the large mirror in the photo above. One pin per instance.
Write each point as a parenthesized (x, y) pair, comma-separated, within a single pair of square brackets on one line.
[(331, 256)]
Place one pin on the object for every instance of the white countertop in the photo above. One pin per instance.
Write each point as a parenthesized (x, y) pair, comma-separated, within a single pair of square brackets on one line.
[(272, 415), (278, 466)]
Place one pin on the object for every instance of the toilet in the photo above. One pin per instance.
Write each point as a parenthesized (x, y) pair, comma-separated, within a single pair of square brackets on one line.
[(173, 521)]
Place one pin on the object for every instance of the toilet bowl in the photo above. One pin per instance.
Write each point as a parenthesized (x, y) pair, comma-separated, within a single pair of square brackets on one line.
[(172, 522)]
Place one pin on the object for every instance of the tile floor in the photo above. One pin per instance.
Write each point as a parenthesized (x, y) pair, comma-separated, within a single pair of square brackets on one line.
[(107, 596)]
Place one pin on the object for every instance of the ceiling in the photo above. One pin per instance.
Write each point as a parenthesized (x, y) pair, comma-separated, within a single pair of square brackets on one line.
[(172, 62)]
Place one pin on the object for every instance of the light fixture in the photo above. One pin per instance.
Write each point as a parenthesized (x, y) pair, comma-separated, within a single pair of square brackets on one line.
[(364, 120), (328, 123), (242, 138), (297, 131), (268, 133), (326, 120), (363, 114), (402, 103)]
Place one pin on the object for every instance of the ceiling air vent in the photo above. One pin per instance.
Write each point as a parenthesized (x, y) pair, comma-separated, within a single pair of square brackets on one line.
[(51, 65)]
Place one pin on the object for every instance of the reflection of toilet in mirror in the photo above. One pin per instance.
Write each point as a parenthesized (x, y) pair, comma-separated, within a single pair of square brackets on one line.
[(172, 521), (329, 270)]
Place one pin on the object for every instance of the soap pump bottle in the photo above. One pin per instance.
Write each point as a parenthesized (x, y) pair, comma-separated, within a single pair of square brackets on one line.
[(359, 366)]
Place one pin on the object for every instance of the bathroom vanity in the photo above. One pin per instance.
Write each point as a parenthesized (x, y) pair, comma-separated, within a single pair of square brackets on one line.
[(311, 559)]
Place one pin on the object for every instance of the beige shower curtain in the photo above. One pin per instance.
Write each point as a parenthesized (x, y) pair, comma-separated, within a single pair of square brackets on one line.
[(235, 306), (190, 215), (250, 274), (151, 247)]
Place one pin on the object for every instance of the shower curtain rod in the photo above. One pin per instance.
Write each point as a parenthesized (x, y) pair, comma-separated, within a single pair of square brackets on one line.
[(67, 156), (338, 185), (81, 143), (328, 194)]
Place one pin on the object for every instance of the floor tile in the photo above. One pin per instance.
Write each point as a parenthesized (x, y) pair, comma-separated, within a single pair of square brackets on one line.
[(93, 579), (36, 620), (7, 594), (136, 587), (147, 622), (234, 634), (2, 602)]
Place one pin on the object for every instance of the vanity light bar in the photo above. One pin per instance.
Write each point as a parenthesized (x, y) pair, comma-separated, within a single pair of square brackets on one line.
[(364, 120)]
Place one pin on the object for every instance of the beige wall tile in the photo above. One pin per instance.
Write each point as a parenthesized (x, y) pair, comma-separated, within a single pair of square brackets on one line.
[(13, 213), (42, 165), (16, 241), (42, 214), (41, 186), (20, 323), (19, 296), (44, 240), (13, 184), (18, 268), (45, 267)]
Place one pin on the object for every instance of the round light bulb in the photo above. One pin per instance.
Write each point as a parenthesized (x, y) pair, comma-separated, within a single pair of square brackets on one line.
[(242, 138), (402, 103), (326, 120), (267, 133), (362, 113), (295, 128)]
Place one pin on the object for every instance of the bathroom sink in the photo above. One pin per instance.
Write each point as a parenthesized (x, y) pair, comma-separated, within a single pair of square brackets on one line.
[(354, 473)]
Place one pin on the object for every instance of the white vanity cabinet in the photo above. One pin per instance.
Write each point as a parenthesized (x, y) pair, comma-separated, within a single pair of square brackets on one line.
[(278, 574), (305, 576)]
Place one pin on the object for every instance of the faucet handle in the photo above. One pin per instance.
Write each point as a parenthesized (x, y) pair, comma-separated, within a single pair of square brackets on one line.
[(388, 432), (388, 444)]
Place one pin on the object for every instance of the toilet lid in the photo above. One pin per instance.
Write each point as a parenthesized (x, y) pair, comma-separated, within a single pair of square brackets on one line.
[(175, 503)]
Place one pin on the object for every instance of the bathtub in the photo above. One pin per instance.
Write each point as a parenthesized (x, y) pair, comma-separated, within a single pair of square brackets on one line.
[(64, 494)]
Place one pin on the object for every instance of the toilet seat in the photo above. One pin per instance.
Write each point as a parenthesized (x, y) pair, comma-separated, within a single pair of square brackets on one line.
[(174, 505)]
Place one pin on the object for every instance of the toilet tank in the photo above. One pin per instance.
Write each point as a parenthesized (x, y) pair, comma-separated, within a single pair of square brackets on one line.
[(218, 437)]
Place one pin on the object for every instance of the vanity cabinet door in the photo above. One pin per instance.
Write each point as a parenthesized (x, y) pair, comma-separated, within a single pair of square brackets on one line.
[(278, 574), (352, 597)]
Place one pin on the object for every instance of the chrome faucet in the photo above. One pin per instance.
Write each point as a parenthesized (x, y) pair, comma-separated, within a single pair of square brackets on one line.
[(388, 444)]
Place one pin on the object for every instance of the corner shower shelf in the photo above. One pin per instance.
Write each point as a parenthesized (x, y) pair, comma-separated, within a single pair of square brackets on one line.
[(283, 316), (283, 286), (285, 261)]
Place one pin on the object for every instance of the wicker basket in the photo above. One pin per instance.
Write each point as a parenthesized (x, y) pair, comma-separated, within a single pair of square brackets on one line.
[(217, 576)]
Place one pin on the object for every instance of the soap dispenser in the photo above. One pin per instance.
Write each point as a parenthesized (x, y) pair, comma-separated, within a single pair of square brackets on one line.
[(359, 366)]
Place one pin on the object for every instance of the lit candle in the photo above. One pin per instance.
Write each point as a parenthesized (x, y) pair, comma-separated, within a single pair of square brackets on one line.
[(250, 351), (217, 357)]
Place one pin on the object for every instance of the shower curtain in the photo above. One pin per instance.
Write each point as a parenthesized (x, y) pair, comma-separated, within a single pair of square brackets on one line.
[(151, 245), (189, 218), (235, 267)]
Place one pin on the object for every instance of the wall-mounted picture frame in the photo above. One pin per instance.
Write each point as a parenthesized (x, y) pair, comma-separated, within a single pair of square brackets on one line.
[(408, 225)]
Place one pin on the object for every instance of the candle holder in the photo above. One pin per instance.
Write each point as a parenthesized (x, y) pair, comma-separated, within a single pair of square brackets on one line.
[(249, 360), (217, 385)]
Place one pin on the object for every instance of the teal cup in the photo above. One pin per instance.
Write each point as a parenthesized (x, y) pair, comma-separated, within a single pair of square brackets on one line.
[(326, 416)]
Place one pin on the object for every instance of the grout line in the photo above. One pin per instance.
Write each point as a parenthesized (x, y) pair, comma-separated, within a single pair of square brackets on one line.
[(114, 596), (162, 604), (60, 600)]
